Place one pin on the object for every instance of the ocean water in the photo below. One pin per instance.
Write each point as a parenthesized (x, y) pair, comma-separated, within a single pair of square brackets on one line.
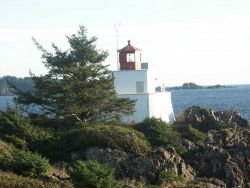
[(235, 99)]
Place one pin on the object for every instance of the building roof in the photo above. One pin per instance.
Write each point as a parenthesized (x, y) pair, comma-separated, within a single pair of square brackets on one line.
[(129, 48)]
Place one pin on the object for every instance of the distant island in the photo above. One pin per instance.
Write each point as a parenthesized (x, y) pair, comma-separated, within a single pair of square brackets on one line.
[(191, 85)]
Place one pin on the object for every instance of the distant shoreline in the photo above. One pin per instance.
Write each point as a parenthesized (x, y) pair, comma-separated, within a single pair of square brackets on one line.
[(192, 85)]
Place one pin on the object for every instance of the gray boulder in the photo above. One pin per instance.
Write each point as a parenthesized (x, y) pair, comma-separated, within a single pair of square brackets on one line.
[(142, 168), (205, 119), (224, 155)]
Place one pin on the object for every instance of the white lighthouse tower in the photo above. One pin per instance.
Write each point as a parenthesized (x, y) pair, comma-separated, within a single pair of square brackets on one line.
[(135, 81)]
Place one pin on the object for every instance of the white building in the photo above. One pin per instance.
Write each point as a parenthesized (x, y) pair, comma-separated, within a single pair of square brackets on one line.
[(136, 82)]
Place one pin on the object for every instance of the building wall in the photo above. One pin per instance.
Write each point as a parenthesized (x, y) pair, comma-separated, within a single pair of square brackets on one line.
[(125, 81), (151, 76), (138, 57), (141, 108), (157, 105), (160, 106), (124, 65), (140, 85), (122, 57), (137, 65), (128, 66)]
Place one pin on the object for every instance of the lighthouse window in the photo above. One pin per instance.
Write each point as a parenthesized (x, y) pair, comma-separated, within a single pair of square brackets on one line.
[(130, 57), (140, 87)]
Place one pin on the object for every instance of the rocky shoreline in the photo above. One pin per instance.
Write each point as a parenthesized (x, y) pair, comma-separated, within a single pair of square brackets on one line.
[(222, 159), (203, 148)]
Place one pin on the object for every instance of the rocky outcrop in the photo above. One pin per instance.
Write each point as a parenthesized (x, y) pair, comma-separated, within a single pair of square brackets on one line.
[(230, 138), (222, 159), (207, 183), (225, 152), (213, 162), (143, 168), (169, 159), (205, 119)]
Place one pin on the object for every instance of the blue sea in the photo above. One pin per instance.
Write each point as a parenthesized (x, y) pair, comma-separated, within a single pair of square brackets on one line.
[(236, 99)]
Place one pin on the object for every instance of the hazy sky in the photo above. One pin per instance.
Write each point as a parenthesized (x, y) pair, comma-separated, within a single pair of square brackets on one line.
[(202, 41)]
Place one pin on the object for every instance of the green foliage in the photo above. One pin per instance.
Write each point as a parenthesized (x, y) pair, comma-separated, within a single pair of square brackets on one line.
[(11, 122), (10, 180), (77, 83), (16, 129), (112, 136), (169, 175), (193, 134), (6, 156), (16, 141), (95, 135), (22, 162), (93, 174), (28, 164), (159, 133)]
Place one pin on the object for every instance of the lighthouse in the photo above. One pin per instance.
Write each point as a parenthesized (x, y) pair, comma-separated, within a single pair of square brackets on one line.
[(135, 81)]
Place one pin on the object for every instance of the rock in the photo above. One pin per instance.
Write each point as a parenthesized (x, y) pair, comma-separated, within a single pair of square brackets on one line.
[(232, 119), (142, 168), (115, 158), (222, 159), (208, 161), (188, 144), (205, 119), (230, 138), (169, 159), (234, 175), (224, 155), (208, 183)]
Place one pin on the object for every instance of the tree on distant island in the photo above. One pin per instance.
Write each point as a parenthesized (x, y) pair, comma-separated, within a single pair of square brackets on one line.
[(77, 83), (191, 85)]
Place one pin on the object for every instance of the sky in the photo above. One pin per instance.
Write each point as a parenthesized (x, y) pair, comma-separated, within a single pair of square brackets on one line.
[(201, 41)]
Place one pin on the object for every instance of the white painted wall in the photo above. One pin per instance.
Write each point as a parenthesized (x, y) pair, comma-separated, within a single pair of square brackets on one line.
[(157, 105), (151, 76), (149, 103), (125, 81), (160, 106), (141, 108)]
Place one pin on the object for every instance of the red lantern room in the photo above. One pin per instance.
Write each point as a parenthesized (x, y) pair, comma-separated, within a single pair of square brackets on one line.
[(130, 58)]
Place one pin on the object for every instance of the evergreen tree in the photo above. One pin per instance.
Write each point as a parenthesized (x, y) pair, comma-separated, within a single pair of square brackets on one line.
[(8, 82), (77, 83)]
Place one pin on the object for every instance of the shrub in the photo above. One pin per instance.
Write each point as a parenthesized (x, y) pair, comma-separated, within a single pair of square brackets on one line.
[(28, 164), (193, 134), (22, 162), (112, 136), (6, 156), (10, 180), (10, 121), (16, 129), (92, 174), (16, 141), (119, 137), (159, 133), (169, 175)]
